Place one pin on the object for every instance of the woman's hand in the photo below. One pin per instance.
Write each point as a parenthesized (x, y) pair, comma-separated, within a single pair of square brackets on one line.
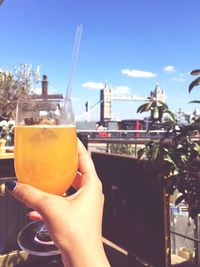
[(74, 222)]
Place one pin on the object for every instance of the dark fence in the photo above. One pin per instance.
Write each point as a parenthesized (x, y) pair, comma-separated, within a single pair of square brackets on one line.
[(136, 212), (13, 213)]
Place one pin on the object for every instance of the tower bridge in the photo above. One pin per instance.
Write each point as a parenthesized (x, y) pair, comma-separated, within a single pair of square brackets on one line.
[(106, 98)]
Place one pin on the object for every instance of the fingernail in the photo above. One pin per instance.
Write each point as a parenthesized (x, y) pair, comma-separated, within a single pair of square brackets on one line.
[(11, 185)]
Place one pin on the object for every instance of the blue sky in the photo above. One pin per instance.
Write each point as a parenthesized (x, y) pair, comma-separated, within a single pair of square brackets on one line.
[(132, 45)]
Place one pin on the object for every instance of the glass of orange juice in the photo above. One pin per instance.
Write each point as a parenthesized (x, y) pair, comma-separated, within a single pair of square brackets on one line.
[(45, 156)]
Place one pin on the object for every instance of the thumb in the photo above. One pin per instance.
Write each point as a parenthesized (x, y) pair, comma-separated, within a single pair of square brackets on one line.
[(29, 195)]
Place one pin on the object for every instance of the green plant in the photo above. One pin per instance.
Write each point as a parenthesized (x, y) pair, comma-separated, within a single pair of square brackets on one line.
[(194, 83), (13, 85), (122, 149), (177, 153), (6, 127)]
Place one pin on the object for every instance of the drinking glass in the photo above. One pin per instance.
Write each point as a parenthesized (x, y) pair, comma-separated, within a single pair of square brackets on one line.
[(45, 156)]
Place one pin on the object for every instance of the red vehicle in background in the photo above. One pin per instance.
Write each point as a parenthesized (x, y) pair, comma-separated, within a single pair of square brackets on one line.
[(101, 130)]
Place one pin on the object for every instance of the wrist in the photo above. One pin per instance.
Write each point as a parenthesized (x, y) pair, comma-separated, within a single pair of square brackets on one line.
[(87, 255)]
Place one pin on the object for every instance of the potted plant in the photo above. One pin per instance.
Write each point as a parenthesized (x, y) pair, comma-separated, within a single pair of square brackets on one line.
[(177, 153), (7, 132), (14, 85)]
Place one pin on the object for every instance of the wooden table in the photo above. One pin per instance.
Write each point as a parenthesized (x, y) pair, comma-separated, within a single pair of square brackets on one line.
[(7, 155)]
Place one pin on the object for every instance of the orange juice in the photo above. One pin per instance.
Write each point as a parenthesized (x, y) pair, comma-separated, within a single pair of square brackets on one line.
[(46, 156)]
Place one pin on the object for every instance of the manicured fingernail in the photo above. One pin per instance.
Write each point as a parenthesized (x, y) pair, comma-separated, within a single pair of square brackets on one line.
[(10, 185)]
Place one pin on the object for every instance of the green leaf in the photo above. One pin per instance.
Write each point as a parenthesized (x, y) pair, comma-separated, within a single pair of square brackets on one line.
[(141, 108), (155, 113), (145, 107), (154, 154), (195, 102), (197, 148), (168, 159), (195, 72), (196, 82), (142, 153), (149, 105), (183, 158), (163, 104), (179, 199), (170, 115)]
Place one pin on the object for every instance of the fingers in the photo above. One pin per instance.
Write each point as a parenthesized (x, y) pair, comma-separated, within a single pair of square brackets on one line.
[(35, 216), (36, 198), (86, 165), (86, 168), (31, 196), (79, 181)]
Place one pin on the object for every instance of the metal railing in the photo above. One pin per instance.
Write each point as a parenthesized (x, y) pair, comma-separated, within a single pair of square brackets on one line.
[(127, 136)]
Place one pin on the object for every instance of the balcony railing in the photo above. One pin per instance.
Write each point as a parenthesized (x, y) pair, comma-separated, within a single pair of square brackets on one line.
[(119, 136)]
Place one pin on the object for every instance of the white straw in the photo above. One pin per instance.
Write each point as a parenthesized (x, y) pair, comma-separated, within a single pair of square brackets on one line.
[(74, 60)]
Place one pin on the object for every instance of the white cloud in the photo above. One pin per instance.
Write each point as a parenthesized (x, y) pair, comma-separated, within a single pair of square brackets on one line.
[(93, 85), (121, 90), (138, 73), (179, 79), (169, 68)]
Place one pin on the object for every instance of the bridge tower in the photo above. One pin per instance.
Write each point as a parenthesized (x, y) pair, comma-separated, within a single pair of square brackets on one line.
[(106, 103), (158, 93)]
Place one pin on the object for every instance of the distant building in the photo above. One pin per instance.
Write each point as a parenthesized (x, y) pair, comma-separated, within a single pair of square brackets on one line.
[(112, 125), (44, 91), (84, 125), (133, 124), (187, 117)]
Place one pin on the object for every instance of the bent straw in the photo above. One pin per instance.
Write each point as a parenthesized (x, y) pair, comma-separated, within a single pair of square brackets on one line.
[(74, 60)]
